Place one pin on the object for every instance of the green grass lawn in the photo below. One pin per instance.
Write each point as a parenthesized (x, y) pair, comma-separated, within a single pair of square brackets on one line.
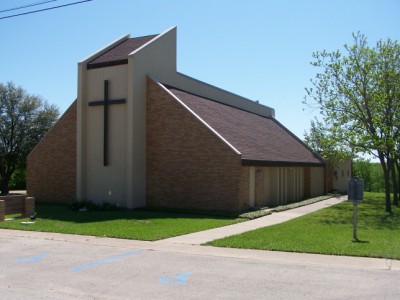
[(127, 224), (330, 231)]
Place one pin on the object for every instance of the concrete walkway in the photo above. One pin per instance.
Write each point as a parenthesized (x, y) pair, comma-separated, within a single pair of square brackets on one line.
[(202, 237)]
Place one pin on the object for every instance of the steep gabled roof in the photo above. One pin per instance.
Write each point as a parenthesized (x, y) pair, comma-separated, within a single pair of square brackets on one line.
[(260, 140), (119, 54)]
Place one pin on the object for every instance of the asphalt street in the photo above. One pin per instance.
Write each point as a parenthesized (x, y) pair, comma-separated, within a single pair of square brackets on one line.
[(48, 266)]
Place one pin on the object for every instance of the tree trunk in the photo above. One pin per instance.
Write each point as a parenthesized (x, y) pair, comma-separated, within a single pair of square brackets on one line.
[(5, 177), (386, 175), (395, 186), (4, 190), (397, 164)]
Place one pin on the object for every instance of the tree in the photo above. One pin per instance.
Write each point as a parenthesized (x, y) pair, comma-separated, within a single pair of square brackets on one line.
[(24, 120), (358, 96), (371, 173), (362, 168), (396, 183), (321, 139)]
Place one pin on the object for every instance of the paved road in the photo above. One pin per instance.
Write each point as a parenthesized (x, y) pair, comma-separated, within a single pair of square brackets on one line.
[(53, 266)]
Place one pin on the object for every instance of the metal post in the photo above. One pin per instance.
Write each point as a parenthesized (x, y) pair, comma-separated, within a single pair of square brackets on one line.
[(355, 221)]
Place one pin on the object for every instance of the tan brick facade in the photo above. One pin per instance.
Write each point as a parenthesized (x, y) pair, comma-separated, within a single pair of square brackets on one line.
[(51, 166), (188, 166)]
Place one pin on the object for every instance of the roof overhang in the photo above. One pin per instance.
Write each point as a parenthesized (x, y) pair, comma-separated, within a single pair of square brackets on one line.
[(262, 163)]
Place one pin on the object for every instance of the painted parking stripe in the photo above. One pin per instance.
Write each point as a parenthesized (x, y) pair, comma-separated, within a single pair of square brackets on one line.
[(107, 260), (32, 259), (180, 279)]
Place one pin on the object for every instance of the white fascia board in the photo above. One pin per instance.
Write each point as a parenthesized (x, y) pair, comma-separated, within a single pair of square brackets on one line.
[(104, 49), (215, 87), (252, 106), (151, 41), (196, 116)]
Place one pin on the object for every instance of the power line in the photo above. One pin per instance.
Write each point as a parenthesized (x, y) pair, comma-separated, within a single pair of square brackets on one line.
[(28, 5), (40, 10)]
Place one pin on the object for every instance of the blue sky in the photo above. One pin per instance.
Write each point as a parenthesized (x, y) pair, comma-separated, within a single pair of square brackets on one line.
[(258, 49)]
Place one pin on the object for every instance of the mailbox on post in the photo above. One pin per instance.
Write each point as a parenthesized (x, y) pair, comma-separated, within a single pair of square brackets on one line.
[(355, 193)]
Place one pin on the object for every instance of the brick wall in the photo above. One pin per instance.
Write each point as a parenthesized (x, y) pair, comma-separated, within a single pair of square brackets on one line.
[(188, 166), (244, 188), (13, 203), (16, 204), (51, 166)]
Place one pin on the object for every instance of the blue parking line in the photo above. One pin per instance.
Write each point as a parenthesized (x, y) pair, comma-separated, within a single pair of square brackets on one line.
[(100, 262), (180, 279), (33, 259)]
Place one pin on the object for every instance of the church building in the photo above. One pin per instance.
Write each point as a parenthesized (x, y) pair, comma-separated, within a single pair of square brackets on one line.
[(142, 134)]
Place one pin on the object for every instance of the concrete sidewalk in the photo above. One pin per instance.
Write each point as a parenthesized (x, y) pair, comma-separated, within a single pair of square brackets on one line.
[(202, 237)]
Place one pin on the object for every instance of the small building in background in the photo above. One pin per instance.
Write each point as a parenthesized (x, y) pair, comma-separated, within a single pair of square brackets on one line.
[(338, 175)]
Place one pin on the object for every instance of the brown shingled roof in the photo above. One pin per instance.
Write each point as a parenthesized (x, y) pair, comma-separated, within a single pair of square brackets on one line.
[(261, 140), (119, 54)]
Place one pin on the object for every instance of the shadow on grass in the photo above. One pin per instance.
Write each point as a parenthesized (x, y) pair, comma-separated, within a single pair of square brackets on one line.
[(370, 214), (360, 241), (64, 213)]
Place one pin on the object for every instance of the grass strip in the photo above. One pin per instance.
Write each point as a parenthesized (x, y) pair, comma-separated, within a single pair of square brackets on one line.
[(127, 224)]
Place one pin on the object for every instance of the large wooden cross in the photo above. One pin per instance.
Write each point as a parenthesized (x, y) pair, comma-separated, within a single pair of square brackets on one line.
[(106, 102)]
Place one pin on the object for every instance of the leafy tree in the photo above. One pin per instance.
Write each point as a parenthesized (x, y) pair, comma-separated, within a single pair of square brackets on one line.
[(396, 171), (358, 95), (18, 179), (377, 178), (364, 169), (322, 140), (371, 173), (24, 120)]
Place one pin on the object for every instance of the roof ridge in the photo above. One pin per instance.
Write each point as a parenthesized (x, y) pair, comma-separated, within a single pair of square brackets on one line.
[(261, 140), (120, 55), (197, 116), (143, 36), (207, 98)]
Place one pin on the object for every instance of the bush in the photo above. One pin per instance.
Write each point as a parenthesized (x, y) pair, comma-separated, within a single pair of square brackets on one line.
[(106, 206), (18, 180), (86, 205)]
